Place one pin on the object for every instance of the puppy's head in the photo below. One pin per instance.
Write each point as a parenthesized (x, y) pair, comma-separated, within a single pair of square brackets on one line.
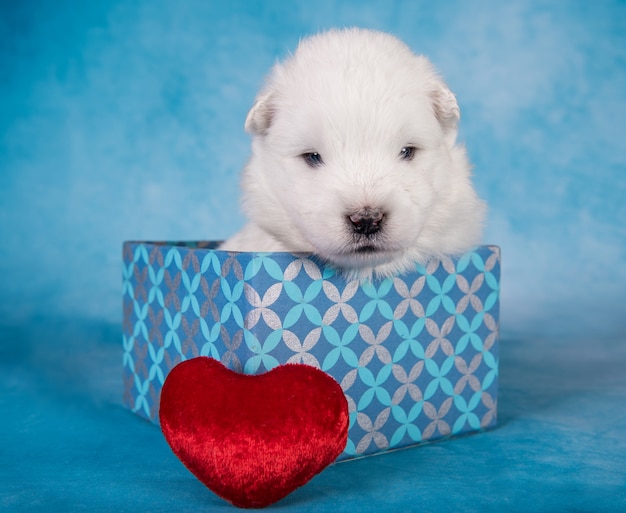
[(355, 157)]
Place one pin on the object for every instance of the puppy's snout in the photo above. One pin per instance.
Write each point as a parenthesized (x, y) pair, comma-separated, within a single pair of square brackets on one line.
[(366, 221)]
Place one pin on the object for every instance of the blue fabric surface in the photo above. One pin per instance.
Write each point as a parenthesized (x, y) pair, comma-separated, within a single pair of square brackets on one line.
[(124, 120), (67, 444)]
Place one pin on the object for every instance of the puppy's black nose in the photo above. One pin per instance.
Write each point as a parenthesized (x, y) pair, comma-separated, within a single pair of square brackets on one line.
[(366, 221)]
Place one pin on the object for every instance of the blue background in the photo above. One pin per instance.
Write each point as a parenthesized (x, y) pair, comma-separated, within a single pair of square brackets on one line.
[(124, 120)]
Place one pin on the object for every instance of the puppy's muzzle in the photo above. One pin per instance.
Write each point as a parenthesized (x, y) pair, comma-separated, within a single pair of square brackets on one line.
[(366, 221)]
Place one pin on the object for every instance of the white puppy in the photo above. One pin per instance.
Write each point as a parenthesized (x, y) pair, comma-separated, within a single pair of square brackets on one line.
[(354, 158)]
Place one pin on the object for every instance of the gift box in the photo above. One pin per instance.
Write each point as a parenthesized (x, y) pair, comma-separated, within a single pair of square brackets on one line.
[(416, 355)]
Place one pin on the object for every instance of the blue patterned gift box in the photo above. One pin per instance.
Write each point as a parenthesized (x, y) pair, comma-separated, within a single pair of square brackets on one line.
[(416, 355)]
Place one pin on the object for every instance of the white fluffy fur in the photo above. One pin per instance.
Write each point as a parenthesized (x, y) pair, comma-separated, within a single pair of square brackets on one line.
[(357, 97)]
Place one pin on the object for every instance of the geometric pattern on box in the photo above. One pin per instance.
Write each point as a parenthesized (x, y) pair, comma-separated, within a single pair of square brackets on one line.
[(416, 355)]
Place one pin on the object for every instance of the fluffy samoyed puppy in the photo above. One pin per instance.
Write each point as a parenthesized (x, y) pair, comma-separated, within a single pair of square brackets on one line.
[(355, 159)]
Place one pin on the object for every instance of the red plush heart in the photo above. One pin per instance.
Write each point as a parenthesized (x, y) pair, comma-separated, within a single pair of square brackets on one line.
[(253, 439)]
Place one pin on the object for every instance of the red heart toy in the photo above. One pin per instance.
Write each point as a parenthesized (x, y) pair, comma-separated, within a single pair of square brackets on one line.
[(252, 440)]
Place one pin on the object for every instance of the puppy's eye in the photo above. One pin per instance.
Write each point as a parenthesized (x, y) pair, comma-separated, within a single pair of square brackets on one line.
[(408, 152), (313, 159)]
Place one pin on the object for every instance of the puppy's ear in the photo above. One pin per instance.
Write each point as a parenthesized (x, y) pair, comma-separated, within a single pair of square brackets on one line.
[(445, 107), (261, 115)]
